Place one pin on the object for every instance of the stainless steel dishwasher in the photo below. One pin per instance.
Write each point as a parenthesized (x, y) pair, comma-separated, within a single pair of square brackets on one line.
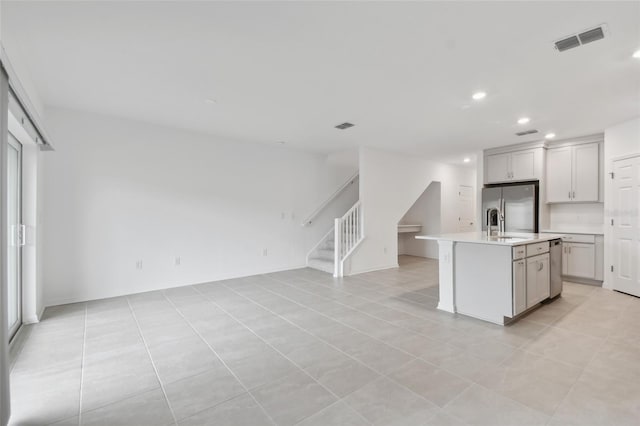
[(555, 259)]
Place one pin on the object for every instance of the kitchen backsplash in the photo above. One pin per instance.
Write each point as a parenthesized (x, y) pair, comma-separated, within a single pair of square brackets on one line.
[(573, 215)]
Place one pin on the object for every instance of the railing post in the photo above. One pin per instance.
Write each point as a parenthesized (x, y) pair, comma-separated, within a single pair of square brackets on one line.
[(337, 246)]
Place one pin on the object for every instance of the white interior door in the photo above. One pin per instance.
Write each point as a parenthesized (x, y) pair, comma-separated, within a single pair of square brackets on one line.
[(626, 225), (466, 206), (16, 235)]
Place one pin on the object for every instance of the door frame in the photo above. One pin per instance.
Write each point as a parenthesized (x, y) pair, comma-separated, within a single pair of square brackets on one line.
[(13, 329)]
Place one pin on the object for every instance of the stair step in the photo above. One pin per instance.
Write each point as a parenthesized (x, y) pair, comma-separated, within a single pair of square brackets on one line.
[(325, 253), (321, 264)]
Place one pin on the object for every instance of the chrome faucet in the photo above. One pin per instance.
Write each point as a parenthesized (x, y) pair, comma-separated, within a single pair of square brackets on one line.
[(494, 214)]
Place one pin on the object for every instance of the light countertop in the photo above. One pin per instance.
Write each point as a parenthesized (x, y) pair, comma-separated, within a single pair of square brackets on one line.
[(506, 239)]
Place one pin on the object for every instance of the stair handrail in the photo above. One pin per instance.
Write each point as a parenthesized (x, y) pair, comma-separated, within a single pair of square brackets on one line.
[(322, 206), (348, 233)]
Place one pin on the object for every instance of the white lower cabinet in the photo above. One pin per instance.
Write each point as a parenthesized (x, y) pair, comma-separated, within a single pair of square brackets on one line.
[(519, 287), (531, 278), (537, 279), (582, 256)]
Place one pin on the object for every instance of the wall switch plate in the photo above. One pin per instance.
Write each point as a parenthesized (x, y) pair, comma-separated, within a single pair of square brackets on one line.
[(139, 264), (177, 261), (264, 252)]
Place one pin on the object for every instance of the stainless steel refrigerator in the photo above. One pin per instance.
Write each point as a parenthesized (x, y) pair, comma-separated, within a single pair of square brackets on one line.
[(519, 203)]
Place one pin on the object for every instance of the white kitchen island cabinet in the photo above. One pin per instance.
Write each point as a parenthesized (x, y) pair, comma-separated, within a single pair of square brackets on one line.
[(493, 278)]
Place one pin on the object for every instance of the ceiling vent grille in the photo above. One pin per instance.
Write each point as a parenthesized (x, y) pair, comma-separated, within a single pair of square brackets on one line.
[(527, 132), (344, 125), (580, 39), (567, 43), (591, 35)]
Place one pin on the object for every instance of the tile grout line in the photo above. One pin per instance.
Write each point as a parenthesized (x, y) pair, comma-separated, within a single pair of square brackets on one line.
[(153, 364), (367, 334), (337, 397), (382, 375), (583, 369), (522, 347), (471, 382), (221, 360), (84, 346), (377, 302)]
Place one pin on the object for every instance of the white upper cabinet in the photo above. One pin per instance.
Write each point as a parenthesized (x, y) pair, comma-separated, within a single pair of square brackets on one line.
[(498, 168), (573, 173), (559, 175), (586, 172), (523, 165), (512, 166)]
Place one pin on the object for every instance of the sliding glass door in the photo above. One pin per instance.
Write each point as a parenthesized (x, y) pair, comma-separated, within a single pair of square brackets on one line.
[(16, 234)]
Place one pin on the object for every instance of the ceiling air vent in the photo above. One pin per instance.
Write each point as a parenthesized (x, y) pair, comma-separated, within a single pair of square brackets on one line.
[(527, 132), (581, 39), (344, 125), (591, 35), (567, 43)]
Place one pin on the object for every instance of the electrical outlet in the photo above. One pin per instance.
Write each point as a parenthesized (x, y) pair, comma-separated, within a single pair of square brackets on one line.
[(177, 261), (384, 250), (264, 252), (139, 264)]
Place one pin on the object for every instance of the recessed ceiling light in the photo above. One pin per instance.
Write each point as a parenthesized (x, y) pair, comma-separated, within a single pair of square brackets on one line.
[(523, 120), (467, 159), (210, 101), (550, 135), (479, 95), (636, 54)]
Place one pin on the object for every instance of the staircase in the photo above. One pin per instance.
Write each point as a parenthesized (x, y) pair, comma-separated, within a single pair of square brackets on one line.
[(338, 244), (323, 257)]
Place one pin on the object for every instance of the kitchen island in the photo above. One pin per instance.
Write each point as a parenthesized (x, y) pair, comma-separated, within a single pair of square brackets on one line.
[(493, 278)]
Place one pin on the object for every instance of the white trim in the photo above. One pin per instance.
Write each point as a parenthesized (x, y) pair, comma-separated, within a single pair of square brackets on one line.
[(35, 318), (375, 268), (80, 299)]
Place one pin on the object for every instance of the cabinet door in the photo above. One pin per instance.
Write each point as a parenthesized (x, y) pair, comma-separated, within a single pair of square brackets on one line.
[(519, 287), (532, 277), (581, 260), (498, 168), (543, 280), (559, 175), (537, 279), (565, 258), (523, 165), (585, 172)]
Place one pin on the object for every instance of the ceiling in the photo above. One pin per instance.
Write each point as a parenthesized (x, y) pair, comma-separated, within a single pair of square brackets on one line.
[(404, 73)]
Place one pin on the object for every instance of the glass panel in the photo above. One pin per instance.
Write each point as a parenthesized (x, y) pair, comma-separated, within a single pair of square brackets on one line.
[(14, 216)]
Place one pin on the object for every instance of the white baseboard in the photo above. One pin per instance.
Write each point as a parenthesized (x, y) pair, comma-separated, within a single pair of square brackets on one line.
[(34, 319), (86, 298), (376, 268)]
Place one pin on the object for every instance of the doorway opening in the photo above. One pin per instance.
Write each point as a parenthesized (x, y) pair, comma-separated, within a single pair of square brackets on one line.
[(422, 218)]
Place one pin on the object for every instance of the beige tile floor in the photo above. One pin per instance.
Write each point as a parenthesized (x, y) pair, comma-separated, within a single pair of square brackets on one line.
[(299, 347)]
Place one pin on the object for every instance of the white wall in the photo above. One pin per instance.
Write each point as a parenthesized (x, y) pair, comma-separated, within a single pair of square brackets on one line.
[(426, 212), (389, 184), (118, 191), (576, 215), (620, 140)]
